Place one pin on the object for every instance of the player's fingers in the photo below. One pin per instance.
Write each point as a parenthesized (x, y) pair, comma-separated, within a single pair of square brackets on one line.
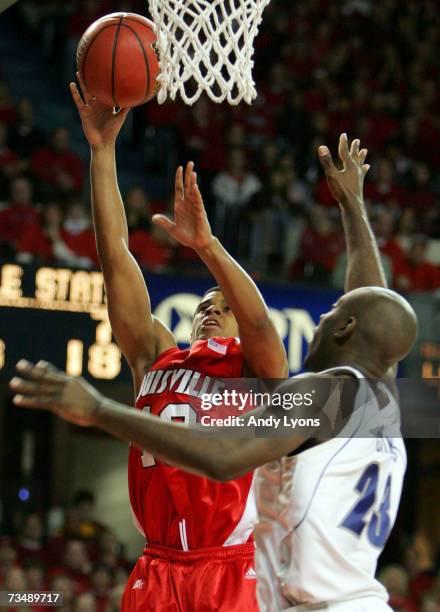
[(354, 148), (365, 168), (36, 402), (344, 153), (165, 223), (87, 96), (362, 156), (27, 387), (37, 372), (198, 201), (79, 103), (193, 183), (326, 159), (188, 173), (179, 192), (48, 366)]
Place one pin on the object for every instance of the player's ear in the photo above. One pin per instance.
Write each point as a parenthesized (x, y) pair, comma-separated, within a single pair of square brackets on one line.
[(345, 328)]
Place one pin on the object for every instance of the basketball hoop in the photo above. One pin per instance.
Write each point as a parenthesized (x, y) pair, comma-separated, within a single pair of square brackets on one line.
[(206, 45)]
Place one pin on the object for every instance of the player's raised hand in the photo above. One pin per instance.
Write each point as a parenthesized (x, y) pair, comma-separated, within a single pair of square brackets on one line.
[(43, 386), (100, 124), (190, 226), (347, 184)]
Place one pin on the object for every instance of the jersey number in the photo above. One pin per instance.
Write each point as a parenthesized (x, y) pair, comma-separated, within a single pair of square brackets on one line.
[(379, 525), (182, 413)]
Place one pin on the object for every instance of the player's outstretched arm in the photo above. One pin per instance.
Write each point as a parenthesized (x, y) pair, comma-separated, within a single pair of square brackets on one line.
[(140, 337), (263, 349), (364, 268), (223, 457)]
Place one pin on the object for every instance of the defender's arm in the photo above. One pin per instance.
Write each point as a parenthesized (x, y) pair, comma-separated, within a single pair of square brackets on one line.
[(221, 458), (364, 267)]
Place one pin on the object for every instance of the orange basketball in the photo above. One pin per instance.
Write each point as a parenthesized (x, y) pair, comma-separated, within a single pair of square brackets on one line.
[(117, 61)]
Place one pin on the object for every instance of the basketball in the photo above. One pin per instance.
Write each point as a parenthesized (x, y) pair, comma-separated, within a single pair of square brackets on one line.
[(117, 61)]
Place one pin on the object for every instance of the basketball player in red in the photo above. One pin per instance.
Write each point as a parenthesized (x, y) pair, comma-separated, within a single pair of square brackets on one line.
[(199, 554), (367, 331)]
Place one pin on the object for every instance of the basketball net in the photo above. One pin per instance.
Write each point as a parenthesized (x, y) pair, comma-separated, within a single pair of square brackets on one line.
[(206, 45)]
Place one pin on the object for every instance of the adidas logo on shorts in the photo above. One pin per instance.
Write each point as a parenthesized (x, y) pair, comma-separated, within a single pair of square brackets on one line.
[(139, 584), (250, 574)]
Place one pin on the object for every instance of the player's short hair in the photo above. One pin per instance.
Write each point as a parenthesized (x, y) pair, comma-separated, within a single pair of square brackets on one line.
[(216, 288)]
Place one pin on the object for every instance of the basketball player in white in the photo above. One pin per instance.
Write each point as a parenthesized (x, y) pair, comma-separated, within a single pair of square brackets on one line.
[(327, 495)]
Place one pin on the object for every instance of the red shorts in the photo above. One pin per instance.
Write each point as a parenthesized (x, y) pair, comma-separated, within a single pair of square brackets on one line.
[(218, 579)]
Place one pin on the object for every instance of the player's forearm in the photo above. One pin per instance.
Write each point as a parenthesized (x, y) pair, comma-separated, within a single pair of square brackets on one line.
[(173, 443), (108, 209), (364, 267), (239, 289)]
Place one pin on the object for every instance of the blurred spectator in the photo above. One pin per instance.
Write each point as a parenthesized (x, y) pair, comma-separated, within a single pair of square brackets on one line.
[(419, 565), (82, 522), (294, 123), (203, 127), (75, 564), (15, 580), (101, 581), (421, 198), (109, 554), (395, 580), (24, 136), (269, 156), (236, 185), (429, 603), (8, 557), (232, 190), (59, 170), (115, 598), (30, 540), (47, 240), (85, 602), (414, 273), (10, 164), (137, 209), (152, 250), (320, 246), (62, 583), (80, 237), (298, 192), (382, 187), (7, 111), (35, 572), (18, 216), (383, 225), (405, 228), (267, 220)]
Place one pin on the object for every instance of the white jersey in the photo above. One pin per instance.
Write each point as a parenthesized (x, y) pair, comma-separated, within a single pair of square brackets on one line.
[(326, 513)]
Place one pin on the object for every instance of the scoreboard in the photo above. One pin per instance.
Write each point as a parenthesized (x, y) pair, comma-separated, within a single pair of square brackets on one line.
[(59, 315)]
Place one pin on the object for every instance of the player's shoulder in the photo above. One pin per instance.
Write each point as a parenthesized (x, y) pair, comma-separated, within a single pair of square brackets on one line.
[(170, 355)]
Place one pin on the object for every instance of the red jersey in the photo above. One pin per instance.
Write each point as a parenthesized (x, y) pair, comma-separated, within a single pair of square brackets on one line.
[(171, 507)]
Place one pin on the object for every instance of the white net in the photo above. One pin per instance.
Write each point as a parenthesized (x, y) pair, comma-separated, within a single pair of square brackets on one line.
[(206, 45)]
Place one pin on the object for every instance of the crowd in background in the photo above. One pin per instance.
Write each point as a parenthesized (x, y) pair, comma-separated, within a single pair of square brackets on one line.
[(321, 68), (70, 552), (65, 551)]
